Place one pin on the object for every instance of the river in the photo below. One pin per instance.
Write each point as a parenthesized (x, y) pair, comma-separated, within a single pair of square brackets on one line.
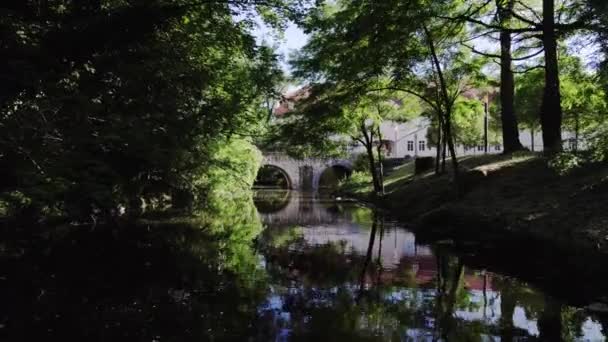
[(299, 268)]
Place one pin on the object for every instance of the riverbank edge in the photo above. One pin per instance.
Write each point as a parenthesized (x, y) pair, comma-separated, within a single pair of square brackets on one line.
[(452, 217)]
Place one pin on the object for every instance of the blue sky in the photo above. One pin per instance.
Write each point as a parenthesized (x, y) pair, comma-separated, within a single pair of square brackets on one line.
[(292, 40)]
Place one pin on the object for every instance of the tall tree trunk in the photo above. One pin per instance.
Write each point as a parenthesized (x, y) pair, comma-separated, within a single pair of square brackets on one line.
[(447, 114), (373, 169), (439, 144), (454, 277), (507, 308), (443, 151), (380, 162), (379, 259), (369, 148), (551, 110), (368, 256), (532, 138), (510, 131), (451, 147), (577, 128)]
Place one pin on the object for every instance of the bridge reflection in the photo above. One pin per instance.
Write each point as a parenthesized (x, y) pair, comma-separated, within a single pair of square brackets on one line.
[(288, 208)]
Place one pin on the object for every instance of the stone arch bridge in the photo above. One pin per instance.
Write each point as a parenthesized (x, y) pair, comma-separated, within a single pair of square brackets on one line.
[(303, 174)]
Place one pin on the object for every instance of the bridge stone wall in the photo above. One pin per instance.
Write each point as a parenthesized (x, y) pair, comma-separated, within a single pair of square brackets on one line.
[(303, 174)]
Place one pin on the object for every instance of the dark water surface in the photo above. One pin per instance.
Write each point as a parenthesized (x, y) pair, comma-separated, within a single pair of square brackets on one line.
[(303, 269)]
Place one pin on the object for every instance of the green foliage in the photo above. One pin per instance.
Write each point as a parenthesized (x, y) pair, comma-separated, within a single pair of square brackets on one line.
[(152, 274), (233, 169), (118, 103), (234, 219), (564, 162), (405, 48), (467, 121), (358, 180), (528, 96), (583, 100), (13, 203), (364, 217), (598, 142), (329, 118), (282, 238)]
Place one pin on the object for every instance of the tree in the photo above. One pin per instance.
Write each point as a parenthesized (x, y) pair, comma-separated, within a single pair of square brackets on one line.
[(528, 97), (548, 25), (582, 100), (119, 103), (503, 18), (406, 41), (468, 122), (551, 109), (510, 129), (330, 113)]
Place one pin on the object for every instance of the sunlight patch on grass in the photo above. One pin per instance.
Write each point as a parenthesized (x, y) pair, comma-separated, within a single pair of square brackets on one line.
[(497, 165), (400, 173)]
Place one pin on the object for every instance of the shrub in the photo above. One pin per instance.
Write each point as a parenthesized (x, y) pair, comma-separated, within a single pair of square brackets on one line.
[(563, 163), (357, 181)]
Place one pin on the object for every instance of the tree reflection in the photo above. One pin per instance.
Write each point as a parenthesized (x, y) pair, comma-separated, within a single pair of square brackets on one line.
[(449, 287), (368, 256), (327, 287), (221, 276), (330, 292), (272, 201), (170, 281)]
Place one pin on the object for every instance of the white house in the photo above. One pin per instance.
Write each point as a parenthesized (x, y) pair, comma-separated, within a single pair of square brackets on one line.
[(409, 139)]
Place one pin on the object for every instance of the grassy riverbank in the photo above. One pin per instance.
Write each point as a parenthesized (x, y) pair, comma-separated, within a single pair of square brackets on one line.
[(503, 195)]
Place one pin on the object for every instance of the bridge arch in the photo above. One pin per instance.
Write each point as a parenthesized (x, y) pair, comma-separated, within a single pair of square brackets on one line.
[(270, 175), (303, 174), (331, 175)]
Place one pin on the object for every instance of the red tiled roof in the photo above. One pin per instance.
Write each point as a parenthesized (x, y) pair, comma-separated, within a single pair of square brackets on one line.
[(291, 98)]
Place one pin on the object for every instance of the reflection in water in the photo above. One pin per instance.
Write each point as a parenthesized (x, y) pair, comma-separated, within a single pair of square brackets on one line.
[(340, 272), (271, 201), (319, 270)]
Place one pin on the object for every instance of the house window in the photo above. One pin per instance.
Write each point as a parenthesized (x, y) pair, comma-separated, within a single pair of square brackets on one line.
[(497, 147), (572, 144), (410, 145), (421, 145), (480, 148)]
